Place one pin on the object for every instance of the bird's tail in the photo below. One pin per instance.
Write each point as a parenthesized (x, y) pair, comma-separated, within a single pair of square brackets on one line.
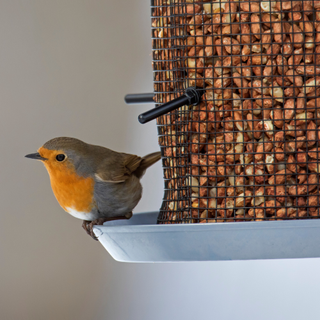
[(146, 162)]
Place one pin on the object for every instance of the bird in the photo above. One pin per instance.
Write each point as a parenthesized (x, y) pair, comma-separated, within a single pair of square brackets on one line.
[(93, 183)]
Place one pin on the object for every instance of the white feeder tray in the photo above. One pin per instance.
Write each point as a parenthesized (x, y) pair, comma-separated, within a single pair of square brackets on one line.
[(140, 239)]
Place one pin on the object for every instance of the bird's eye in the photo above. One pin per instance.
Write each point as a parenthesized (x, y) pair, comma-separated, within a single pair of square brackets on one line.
[(60, 157)]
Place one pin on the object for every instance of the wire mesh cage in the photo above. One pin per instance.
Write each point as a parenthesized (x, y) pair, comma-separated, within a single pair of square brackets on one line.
[(249, 151)]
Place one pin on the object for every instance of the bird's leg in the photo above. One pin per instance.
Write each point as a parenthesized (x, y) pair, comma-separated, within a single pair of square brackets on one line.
[(88, 225), (85, 226), (128, 215)]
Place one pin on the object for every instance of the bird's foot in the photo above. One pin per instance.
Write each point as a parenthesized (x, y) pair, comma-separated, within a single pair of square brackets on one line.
[(88, 225), (128, 215)]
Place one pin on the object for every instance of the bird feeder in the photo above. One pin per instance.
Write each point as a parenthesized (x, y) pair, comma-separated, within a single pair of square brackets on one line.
[(236, 87)]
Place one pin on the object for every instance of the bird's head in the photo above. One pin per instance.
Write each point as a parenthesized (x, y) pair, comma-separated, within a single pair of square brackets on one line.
[(62, 155)]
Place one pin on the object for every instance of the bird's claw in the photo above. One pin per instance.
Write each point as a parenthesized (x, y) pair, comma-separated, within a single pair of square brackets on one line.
[(88, 225)]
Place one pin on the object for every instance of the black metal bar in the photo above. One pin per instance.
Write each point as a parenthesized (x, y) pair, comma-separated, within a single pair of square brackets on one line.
[(191, 96), (139, 98), (165, 108)]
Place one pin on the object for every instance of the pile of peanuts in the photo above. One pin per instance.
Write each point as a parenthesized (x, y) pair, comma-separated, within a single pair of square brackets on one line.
[(249, 150)]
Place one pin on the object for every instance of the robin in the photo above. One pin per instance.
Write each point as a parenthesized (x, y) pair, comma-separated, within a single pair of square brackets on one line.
[(93, 183)]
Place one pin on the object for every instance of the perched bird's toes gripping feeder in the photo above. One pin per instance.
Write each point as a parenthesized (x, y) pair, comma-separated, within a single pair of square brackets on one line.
[(236, 87)]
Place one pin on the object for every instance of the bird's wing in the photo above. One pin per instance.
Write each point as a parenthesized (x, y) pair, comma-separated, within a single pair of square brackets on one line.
[(118, 169)]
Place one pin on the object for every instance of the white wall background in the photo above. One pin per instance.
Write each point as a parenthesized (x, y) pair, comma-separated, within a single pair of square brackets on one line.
[(65, 67)]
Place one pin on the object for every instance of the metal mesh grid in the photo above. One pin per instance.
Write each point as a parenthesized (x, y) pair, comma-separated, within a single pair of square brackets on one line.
[(249, 150)]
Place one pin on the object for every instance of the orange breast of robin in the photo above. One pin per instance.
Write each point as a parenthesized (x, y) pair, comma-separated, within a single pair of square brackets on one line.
[(71, 190)]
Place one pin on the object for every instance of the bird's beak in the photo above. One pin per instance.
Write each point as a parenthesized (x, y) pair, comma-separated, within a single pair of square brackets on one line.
[(35, 156)]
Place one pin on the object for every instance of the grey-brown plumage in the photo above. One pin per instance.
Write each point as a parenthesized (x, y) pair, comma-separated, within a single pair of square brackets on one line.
[(116, 176)]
